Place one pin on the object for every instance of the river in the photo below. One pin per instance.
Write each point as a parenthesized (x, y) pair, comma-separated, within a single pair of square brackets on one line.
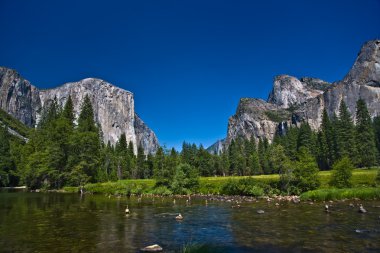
[(59, 222)]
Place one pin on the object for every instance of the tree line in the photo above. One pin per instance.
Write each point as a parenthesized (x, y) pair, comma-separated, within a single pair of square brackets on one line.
[(64, 151)]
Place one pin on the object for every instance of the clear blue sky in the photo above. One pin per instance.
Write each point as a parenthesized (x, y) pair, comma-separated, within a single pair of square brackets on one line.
[(187, 62)]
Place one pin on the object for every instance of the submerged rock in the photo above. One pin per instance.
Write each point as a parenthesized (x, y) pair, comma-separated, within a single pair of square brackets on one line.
[(362, 209), (260, 211), (152, 248)]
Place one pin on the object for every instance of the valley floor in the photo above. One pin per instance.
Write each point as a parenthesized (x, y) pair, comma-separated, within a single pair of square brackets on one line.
[(363, 186)]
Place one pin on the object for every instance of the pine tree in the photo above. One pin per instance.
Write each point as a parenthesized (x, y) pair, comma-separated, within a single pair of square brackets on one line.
[(86, 122), (140, 162), (326, 142), (376, 127), (306, 171), (84, 159), (345, 133), (290, 143), (131, 161), (342, 173), (6, 163), (68, 111), (172, 161), (225, 163), (161, 173), (278, 161), (365, 137), (305, 137)]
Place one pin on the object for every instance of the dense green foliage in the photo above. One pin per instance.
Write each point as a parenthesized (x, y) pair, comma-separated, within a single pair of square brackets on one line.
[(361, 178), (342, 173), (14, 124), (61, 152), (347, 193)]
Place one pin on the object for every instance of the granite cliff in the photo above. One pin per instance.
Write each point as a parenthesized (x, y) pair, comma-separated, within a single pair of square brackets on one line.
[(294, 100), (114, 109)]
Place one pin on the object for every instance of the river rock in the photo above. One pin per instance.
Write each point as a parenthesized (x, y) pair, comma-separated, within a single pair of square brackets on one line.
[(260, 211), (152, 248)]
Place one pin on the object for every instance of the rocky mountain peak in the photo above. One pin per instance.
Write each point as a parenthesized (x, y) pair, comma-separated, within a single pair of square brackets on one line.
[(288, 90), (293, 101), (114, 108), (366, 69)]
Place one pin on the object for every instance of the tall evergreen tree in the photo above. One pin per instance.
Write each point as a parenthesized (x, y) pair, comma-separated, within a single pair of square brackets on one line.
[(306, 171), (68, 111), (86, 122), (6, 163), (140, 162), (345, 133), (161, 173), (376, 127), (326, 142), (365, 137), (305, 137), (84, 159)]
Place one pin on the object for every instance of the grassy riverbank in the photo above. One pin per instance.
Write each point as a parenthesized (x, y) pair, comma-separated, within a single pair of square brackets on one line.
[(363, 182), (362, 193)]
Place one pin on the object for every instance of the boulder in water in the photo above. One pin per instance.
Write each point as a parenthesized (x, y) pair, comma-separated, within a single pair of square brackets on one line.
[(152, 248)]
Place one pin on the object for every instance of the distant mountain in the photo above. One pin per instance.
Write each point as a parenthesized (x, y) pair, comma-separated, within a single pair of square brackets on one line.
[(114, 109), (294, 100)]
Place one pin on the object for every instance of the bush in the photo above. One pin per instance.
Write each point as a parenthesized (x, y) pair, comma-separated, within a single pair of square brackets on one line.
[(306, 171), (342, 173), (162, 190), (244, 187), (346, 193), (186, 180), (377, 180)]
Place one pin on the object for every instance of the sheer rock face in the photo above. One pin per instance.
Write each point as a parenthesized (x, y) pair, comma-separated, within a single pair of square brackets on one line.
[(288, 90), (293, 100), (113, 107), (18, 97), (217, 147)]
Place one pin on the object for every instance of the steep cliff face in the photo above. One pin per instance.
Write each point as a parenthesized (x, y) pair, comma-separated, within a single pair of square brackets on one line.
[(293, 100), (113, 107), (217, 148), (18, 97), (288, 91)]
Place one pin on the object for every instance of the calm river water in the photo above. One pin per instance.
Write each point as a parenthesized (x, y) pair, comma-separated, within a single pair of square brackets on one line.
[(57, 222)]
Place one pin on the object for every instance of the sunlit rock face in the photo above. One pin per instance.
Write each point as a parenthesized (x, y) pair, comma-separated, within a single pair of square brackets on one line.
[(114, 109), (18, 97), (293, 100)]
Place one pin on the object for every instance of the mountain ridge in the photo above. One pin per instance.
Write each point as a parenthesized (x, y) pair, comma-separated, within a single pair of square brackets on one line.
[(113, 106), (295, 100)]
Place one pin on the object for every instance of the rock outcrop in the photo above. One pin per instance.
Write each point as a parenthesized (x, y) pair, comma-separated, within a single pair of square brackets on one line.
[(113, 107), (217, 147), (18, 97), (293, 100), (289, 91)]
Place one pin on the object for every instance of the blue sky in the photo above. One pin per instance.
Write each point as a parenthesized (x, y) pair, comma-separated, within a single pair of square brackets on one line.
[(187, 62)]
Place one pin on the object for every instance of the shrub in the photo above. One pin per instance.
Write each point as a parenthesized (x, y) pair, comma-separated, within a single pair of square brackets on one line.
[(244, 187), (342, 173), (306, 171), (162, 190), (186, 180)]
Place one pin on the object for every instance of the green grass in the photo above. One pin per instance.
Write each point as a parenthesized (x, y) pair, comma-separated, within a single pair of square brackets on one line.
[(338, 194), (13, 123), (213, 185)]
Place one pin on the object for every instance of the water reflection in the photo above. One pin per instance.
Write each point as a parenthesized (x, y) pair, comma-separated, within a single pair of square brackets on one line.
[(51, 222)]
